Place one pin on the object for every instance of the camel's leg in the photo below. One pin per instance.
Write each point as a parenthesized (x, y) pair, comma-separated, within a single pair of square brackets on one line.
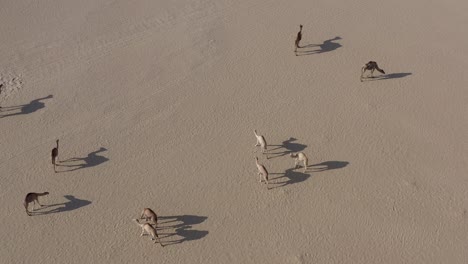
[(260, 174), (372, 73), (26, 207), (295, 163), (363, 70), (142, 232)]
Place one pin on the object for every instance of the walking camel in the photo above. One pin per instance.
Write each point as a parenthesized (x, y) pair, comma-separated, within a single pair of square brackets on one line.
[(261, 142), (54, 155), (300, 157), (262, 172), (149, 215), (147, 228), (298, 39)]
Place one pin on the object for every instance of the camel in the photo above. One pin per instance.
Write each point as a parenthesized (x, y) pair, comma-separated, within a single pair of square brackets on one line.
[(300, 157), (149, 215), (261, 142), (55, 155), (371, 66), (262, 172), (298, 39), (150, 230), (32, 198)]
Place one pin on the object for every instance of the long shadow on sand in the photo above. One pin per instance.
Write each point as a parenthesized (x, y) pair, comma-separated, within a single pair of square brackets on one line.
[(387, 76), (182, 226), (72, 204), (328, 165), (288, 146), (93, 159), (327, 46), (25, 109), (292, 177)]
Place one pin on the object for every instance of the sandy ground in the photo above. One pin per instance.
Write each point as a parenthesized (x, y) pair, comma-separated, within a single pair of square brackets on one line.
[(155, 102)]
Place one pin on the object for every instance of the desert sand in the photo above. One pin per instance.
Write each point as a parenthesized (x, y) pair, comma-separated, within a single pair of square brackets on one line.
[(155, 103)]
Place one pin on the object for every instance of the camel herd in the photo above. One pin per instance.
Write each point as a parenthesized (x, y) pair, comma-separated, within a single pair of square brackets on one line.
[(149, 227)]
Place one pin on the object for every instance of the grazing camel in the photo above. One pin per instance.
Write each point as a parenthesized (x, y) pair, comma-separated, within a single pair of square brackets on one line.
[(298, 39), (262, 172), (149, 215), (300, 157), (371, 66), (55, 155), (32, 198), (150, 230), (261, 142)]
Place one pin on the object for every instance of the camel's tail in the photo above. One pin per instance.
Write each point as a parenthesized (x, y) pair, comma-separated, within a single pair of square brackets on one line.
[(380, 70)]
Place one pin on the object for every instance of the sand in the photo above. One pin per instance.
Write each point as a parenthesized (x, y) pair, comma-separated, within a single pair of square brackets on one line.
[(155, 103)]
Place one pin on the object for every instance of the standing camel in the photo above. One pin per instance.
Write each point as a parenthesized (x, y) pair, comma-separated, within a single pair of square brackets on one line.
[(298, 39)]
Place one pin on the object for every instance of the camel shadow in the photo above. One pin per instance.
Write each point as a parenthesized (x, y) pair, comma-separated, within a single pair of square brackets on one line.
[(89, 161), (72, 204), (289, 147), (387, 76), (328, 165), (182, 225), (292, 177), (327, 46), (25, 109)]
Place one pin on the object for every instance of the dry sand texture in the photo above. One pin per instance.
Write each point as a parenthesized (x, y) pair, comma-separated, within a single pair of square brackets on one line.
[(154, 103)]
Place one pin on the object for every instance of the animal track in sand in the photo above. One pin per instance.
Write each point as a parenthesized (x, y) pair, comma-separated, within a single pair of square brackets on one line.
[(9, 84)]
